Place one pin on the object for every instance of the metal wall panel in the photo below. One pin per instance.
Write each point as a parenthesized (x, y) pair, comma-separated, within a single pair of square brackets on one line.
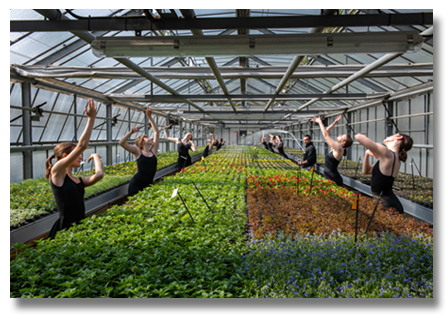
[(15, 167), (39, 159)]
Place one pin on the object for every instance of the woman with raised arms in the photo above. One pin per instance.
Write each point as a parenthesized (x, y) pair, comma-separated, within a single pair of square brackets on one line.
[(338, 149), (145, 152), (209, 146), (279, 142), (263, 141), (69, 191), (183, 146), (386, 168)]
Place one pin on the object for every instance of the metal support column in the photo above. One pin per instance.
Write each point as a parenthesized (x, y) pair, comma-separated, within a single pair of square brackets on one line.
[(75, 120), (27, 131), (389, 124), (146, 126), (326, 149), (109, 134), (349, 132)]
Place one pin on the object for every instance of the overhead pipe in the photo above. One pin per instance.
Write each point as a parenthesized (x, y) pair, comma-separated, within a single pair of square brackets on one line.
[(54, 14), (427, 34), (268, 72)]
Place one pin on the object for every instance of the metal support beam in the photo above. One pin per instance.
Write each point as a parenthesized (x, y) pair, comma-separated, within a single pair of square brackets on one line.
[(256, 22), (189, 13), (108, 134), (75, 119), (27, 131), (388, 113), (244, 62), (245, 97)]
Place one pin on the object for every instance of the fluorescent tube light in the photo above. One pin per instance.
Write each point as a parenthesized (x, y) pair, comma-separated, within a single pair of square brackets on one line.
[(251, 45)]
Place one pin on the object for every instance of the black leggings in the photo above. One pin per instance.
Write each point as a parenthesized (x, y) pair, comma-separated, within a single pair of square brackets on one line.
[(389, 200)]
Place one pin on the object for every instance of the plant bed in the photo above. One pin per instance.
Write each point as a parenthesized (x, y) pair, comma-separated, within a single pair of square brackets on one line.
[(31, 199), (151, 247)]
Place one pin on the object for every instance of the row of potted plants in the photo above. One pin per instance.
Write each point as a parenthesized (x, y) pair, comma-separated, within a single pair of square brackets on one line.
[(33, 198)]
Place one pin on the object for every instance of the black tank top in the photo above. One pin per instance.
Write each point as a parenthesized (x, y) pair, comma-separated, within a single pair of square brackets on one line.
[(70, 202), (379, 182), (206, 150), (270, 146), (218, 146), (280, 150), (331, 163), (147, 167), (265, 145), (183, 149)]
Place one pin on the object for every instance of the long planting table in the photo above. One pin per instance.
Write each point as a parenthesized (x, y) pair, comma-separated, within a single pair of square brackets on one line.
[(415, 210), (43, 225)]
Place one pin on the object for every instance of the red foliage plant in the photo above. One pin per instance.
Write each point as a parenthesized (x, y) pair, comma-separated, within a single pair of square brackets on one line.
[(273, 210)]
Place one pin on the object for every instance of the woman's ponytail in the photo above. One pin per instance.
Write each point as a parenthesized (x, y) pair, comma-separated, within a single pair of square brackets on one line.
[(48, 166), (347, 144), (403, 155), (406, 145), (61, 149)]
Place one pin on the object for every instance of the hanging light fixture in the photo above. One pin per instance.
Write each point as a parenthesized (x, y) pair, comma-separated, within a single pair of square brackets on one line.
[(251, 45)]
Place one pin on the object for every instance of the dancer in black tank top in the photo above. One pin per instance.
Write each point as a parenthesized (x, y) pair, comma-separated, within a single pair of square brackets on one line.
[(387, 167), (338, 147), (220, 144), (263, 141), (331, 169), (279, 142), (68, 191), (271, 143), (183, 146), (209, 146), (145, 152)]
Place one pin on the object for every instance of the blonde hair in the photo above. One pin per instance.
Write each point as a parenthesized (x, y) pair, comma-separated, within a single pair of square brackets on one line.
[(139, 141)]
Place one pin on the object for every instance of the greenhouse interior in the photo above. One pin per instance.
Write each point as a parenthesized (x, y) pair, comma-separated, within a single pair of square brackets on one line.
[(221, 153)]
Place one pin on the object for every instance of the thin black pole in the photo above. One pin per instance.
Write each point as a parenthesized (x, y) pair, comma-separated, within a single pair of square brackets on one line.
[(412, 160), (185, 206), (357, 165), (412, 171), (297, 181), (357, 212), (311, 183), (202, 197), (379, 198)]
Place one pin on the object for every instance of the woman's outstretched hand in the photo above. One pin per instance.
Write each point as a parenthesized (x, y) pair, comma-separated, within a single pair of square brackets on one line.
[(91, 111), (316, 119), (339, 117), (149, 112), (135, 129)]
